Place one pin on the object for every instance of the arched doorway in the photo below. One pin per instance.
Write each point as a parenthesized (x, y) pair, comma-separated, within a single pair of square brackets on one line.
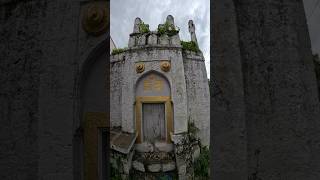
[(153, 108), (91, 139)]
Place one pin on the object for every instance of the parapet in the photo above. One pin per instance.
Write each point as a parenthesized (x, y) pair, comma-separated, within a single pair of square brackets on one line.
[(167, 34)]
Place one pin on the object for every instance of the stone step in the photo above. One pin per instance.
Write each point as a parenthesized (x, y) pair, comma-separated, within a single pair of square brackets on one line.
[(154, 147), (154, 156), (154, 167)]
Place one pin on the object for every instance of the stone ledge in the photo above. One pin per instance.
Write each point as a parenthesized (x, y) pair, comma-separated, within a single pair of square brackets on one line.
[(121, 141)]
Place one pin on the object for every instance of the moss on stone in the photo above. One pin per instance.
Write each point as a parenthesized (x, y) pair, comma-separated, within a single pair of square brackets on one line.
[(144, 28), (190, 45), (118, 51), (168, 29)]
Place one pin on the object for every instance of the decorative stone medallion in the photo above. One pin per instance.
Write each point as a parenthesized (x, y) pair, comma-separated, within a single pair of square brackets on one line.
[(95, 18), (165, 66), (140, 68)]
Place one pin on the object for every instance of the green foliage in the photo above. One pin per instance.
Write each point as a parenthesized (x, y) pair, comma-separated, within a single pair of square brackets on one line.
[(201, 165), (168, 29), (190, 45), (192, 128), (115, 174), (117, 51), (144, 28)]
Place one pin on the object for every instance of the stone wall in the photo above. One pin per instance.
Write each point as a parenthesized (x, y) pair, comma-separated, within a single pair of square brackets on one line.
[(151, 57), (198, 94), (44, 52), (20, 66), (273, 74), (227, 98), (280, 90), (116, 77)]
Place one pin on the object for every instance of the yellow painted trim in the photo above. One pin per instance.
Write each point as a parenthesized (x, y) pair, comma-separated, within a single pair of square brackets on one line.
[(153, 99), (92, 121)]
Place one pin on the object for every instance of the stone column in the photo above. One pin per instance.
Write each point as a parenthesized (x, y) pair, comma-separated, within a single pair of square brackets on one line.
[(281, 95), (192, 30), (228, 133)]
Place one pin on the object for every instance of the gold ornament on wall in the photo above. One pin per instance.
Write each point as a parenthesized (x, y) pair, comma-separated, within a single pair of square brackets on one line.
[(165, 66), (140, 68), (96, 18)]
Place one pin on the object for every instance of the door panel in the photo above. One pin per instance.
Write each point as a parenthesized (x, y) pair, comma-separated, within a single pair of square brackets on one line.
[(153, 122)]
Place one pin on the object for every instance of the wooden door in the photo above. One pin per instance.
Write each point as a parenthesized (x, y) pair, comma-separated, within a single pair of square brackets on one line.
[(154, 122)]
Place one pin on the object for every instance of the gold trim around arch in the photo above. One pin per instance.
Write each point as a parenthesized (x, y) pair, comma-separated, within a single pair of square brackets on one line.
[(92, 122), (153, 99)]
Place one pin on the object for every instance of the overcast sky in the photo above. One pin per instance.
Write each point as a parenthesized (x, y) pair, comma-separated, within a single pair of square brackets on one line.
[(154, 12), (312, 8)]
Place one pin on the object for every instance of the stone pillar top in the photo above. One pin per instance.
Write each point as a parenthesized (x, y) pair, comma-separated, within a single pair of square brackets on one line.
[(137, 22), (170, 19), (192, 30)]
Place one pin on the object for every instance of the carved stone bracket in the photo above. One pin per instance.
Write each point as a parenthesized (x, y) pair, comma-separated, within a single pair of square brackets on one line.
[(96, 18), (165, 66), (140, 68)]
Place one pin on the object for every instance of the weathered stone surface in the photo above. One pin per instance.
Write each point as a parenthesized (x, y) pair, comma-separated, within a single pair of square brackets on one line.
[(265, 92), (196, 153), (141, 40), (152, 39), (21, 56), (170, 166), (139, 166), (182, 169), (164, 40), (227, 96), (170, 20), (132, 41), (144, 147), (163, 146), (198, 94), (137, 22), (192, 30), (175, 40), (154, 167), (122, 142), (40, 79), (178, 138)]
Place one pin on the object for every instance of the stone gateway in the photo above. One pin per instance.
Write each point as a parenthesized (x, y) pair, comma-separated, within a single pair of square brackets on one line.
[(159, 89)]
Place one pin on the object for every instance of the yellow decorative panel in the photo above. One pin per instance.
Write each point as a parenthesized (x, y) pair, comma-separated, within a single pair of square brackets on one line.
[(93, 121)]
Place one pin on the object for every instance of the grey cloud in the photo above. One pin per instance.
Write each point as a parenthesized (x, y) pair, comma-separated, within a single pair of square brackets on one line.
[(154, 12)]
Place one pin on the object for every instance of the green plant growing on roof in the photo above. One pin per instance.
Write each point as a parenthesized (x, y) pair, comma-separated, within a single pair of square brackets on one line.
[(118, 51), (190, 45), (168, 29), (144, 28)]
